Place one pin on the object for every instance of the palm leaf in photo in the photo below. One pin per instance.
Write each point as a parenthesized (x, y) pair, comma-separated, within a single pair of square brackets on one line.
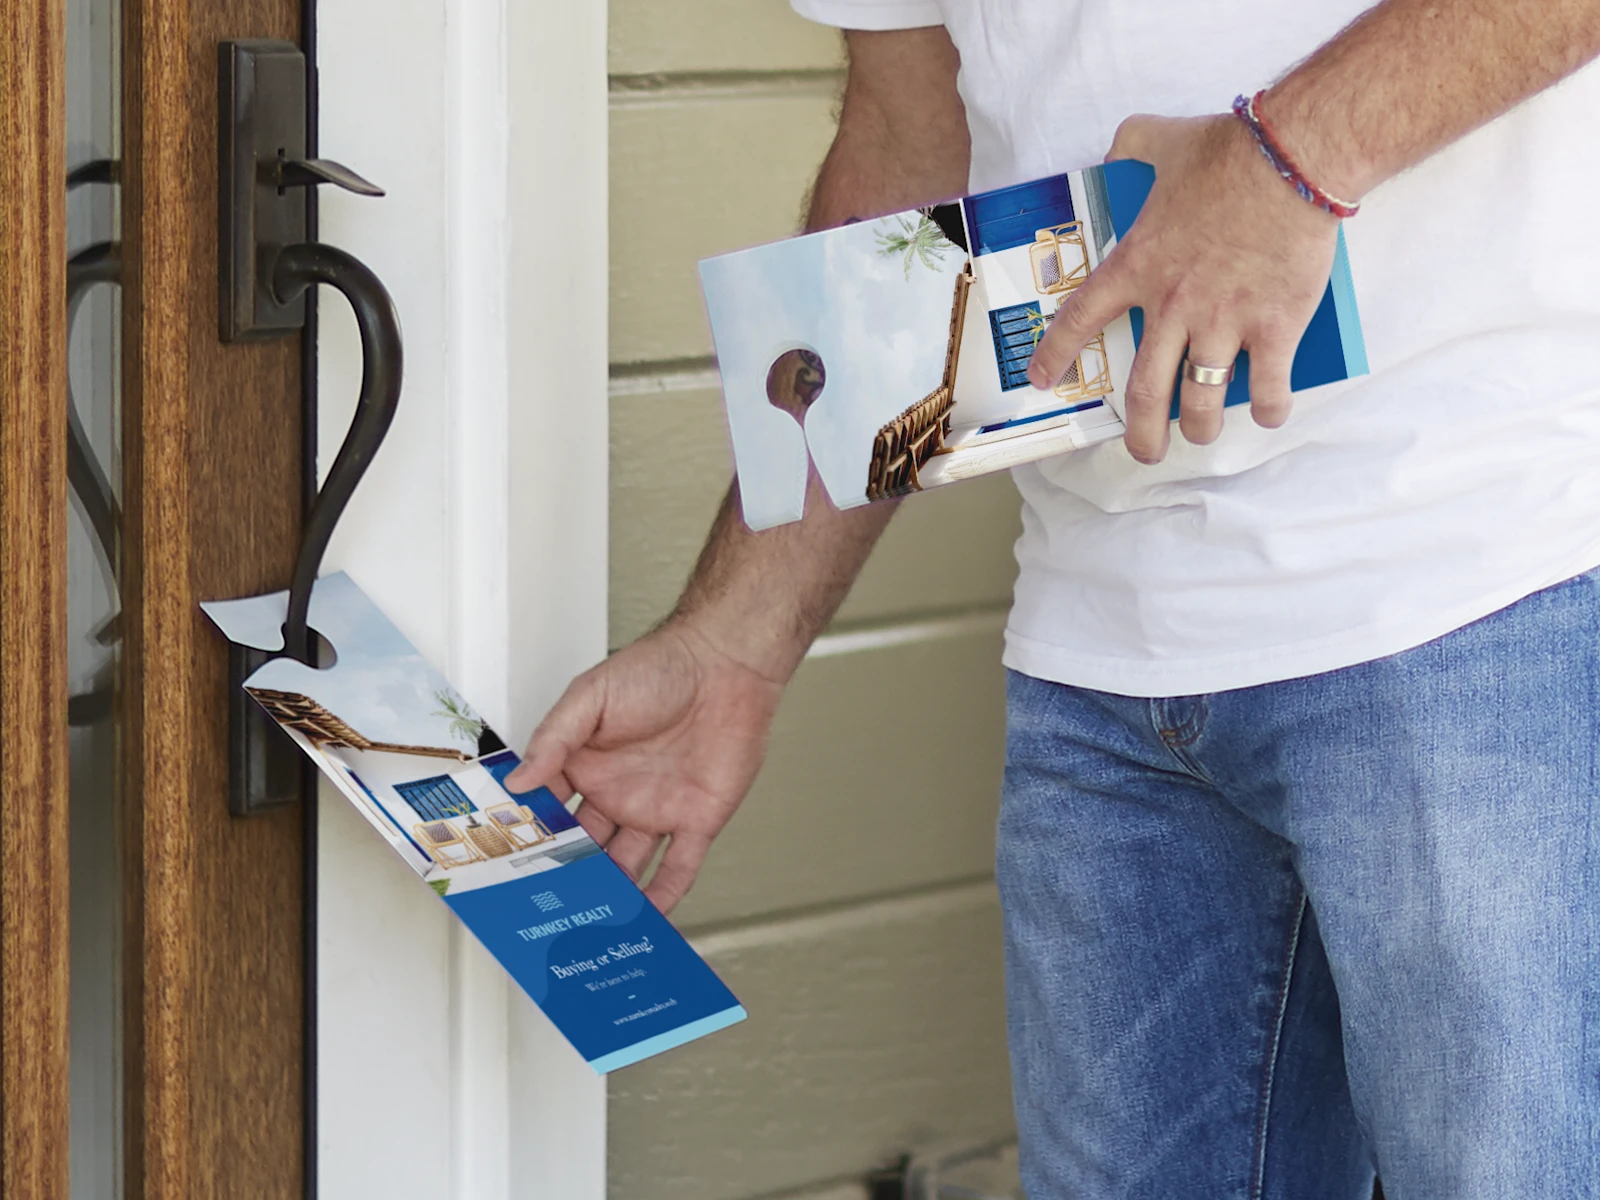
[(920, 241), (464, 723)]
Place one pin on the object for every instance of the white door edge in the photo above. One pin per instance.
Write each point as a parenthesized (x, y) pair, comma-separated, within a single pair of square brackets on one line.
[(482, 530)]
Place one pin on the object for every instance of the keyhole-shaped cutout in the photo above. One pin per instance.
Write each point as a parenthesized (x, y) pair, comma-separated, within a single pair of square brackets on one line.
[(795, 380), (323, 655)]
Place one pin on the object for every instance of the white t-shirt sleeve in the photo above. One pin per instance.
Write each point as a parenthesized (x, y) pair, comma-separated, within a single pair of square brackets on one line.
[(871, 14)]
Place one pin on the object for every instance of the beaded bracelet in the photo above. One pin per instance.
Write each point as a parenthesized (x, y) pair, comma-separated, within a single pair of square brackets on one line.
[(1272, 150)]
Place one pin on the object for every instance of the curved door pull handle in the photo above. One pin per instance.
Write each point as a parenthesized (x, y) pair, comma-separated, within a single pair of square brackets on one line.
[(296, 268), (265, 265)]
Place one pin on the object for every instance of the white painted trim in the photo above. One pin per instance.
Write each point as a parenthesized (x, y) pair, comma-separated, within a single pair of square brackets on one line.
[(476, 350), (482, 530), (557, 314), (477, 220)]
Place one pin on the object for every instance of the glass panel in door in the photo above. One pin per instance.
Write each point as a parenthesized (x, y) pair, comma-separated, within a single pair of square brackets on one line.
[(93, 550)]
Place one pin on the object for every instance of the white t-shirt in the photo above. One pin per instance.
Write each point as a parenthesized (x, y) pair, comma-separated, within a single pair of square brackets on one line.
[(1462, 474)]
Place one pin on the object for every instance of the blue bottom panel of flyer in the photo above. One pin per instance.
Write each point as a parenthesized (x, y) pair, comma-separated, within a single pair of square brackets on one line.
[(601, 961), (428, 774)]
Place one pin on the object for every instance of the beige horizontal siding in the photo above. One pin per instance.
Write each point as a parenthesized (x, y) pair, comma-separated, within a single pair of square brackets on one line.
[(670, 465), (883, 774), (694, 176), (649, 37), (872, 1031), (847, 904)]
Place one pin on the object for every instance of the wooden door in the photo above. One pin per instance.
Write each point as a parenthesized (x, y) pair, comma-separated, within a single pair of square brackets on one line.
[(33, 661), (203, 473)]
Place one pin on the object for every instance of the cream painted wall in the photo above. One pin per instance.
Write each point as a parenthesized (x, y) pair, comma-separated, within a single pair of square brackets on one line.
[(850, 904)]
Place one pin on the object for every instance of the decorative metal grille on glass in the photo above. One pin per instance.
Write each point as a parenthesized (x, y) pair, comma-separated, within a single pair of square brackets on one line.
[(92, 410)]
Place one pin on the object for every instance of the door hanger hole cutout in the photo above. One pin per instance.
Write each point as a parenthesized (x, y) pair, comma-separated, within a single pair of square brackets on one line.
[(795, 380), (323, 655)]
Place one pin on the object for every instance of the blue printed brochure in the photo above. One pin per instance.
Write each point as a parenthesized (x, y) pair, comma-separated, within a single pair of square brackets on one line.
[(428, 775), (892, 353)]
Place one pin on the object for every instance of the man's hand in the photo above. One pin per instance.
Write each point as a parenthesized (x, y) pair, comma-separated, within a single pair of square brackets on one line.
[(662, 740), (1224, 256)]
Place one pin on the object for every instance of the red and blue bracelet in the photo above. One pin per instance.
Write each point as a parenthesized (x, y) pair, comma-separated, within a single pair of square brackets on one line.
[(1246, 109)]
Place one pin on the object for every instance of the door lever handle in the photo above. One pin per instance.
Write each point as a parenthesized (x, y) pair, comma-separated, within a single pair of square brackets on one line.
[(309, 172)]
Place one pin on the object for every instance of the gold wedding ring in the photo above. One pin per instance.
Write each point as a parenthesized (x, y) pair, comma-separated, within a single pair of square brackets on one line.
[(1208, 376)]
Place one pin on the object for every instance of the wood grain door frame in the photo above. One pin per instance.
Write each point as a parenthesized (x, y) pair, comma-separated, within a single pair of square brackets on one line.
[(213, 481), (33, 601)]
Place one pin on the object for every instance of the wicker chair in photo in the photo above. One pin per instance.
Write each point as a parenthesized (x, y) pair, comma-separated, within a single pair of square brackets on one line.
[(903, 446), (1059, 258), (519, 824), (1090, 375), (438, 838), (490, 840)]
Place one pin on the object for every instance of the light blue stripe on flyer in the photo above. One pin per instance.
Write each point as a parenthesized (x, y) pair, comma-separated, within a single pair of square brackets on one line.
[(663, 1042), (1344, 307)]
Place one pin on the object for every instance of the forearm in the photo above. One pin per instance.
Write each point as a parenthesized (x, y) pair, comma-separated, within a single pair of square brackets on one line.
[(902, 137), (762, 598), (1411, 76)]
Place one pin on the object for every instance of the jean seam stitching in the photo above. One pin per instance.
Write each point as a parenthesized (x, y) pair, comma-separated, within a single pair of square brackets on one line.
[(1258, 1183), (1188, 733), (1183, 736)]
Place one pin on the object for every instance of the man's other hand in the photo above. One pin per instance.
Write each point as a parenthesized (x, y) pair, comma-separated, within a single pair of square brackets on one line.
[(662, 740), (1224, 256)]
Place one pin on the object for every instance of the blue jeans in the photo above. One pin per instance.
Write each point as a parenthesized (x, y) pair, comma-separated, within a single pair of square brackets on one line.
[(1261, 942)]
